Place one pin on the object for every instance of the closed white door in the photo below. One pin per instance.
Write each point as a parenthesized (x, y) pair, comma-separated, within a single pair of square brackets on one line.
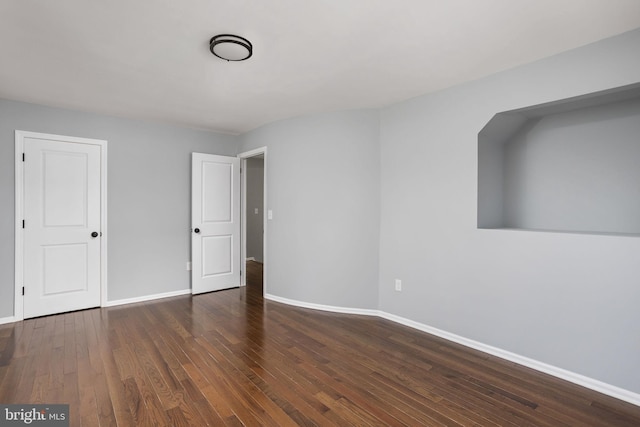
[(61, 225), (215, 222)]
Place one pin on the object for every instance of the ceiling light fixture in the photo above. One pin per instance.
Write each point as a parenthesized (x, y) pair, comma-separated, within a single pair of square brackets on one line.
[(230, 47)]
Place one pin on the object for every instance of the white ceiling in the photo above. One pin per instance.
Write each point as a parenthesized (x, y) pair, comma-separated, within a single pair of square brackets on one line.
[(149, 59)]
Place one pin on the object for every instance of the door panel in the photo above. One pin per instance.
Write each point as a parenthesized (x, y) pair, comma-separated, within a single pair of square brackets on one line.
[(64, 188), (217, 255), (61, 209), (216, 192), (64, 268), (215, 222)]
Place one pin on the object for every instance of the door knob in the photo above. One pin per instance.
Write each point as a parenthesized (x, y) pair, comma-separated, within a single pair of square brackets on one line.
[(94, 234), (197, 230)]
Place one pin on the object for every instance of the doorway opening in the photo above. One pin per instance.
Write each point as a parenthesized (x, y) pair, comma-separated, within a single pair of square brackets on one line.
[(254, 219)]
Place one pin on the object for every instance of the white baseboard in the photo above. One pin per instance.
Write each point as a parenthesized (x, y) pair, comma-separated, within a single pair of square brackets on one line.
[(334, 309), (251, 258), (146, 298), (10, 319), (590, 383)]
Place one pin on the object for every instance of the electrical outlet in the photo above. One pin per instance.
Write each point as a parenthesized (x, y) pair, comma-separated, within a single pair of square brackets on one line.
[(188, 265), (398, 285)]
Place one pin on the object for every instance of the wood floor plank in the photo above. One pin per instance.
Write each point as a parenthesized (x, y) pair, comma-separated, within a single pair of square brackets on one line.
[(23, 331), (70, 354), (160, 387), (8, 346), (116, 387), (178, 418), (136, 404), (11, 382), (95, 336), (232, 358), (71, 395)]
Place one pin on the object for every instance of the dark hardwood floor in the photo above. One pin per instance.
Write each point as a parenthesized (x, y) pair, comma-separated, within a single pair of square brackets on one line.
[(231, 358)]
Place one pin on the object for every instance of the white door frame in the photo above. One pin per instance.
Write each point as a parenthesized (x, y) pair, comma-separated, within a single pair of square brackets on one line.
[(243, 225), (18, 310)]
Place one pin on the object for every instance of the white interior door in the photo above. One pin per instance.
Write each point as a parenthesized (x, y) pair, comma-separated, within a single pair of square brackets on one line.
[(215, 222), (62, 196)]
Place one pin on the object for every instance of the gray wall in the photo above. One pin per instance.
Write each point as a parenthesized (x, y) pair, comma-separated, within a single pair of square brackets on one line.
[(255, 200), (148, 195), (323, 187), (569, 300), (576, 171)]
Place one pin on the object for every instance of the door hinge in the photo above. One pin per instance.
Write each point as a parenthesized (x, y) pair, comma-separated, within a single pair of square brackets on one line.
[(23, 157), (23, 223), (241, 272), (23, 290)]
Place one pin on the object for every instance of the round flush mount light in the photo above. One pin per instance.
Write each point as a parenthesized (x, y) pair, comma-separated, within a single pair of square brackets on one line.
[(230, 47)]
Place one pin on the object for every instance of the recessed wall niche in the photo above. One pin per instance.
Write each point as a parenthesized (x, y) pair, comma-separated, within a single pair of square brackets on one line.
[(571, 165)]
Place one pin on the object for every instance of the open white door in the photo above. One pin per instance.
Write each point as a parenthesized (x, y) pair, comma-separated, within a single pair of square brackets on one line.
[(215, 222), (62, 223)]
